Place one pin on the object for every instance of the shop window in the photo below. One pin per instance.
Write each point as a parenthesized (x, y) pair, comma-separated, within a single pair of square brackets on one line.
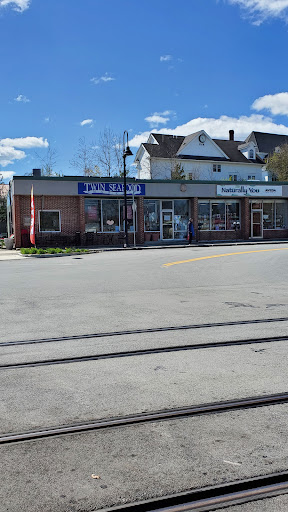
[(281, 214), (151, 215), (130, 225), (49, 220), (218, 216), (167, 205), (250, 178), (181, 217), (93, 215), (232, 214), (268, 215), (110, 212), (204, 215), (233, 177)]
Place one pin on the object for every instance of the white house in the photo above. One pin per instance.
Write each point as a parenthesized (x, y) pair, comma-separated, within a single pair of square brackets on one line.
[(204, 158)]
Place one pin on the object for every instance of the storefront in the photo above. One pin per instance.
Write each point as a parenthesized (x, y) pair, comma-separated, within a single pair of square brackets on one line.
[(90, 212)]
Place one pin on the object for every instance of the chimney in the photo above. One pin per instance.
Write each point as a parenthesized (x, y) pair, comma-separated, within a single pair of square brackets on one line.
[(36, 173), (231, 134)]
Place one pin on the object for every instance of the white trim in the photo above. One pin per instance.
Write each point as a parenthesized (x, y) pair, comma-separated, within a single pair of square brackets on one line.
[(53, 231), (197, 134)]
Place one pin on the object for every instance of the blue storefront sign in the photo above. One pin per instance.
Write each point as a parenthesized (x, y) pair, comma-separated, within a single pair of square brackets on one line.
[(111, 189)]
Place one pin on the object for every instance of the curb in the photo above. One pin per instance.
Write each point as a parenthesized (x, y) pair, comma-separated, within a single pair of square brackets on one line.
[(143, 248)]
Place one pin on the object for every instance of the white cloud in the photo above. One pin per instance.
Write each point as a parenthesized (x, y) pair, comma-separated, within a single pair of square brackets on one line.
[(159, 118), (260, 10), (87, 122), (277, 104), (17, 5), (7, 175), (105, 78), (219, 128), (9, 153), (156, 119), (165, 58), (25, 142), (21, 98)]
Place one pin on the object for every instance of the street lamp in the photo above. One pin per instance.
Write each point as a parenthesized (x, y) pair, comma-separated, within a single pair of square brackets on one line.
[(126, 152)]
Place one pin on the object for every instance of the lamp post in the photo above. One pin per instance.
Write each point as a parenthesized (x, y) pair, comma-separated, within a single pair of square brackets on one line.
[(126, 152)]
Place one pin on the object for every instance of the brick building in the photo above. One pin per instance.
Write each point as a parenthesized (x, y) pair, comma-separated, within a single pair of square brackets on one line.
[(90, 211)]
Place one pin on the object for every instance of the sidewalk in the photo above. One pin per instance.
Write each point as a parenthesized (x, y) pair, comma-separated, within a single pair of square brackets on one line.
[(16, 255)]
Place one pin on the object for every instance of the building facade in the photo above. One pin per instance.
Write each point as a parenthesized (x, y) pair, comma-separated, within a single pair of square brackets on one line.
[(202, 158), (90, 211)]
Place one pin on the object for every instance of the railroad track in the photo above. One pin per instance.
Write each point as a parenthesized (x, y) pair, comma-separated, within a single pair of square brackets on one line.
[(143, 331), (167, 414), (159, 350), (213, 498)]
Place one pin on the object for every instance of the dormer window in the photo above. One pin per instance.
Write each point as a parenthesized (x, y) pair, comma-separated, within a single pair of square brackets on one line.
[(251, 154)]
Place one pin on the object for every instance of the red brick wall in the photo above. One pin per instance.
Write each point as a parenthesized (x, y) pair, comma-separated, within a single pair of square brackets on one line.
[(69, 213)]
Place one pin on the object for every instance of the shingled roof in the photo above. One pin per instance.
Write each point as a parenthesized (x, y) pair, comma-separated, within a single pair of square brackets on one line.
[(267, 142), (169, 145), (230, 148)]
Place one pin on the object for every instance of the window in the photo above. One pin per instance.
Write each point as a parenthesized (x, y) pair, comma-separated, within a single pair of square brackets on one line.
[(251, 154), (220, 215), (232, 214), (181, 217), (49, 220), (216, 168), (251, 177), (204, 215), (268, 215), (151, 215), (110, 213), (130, 226), (281, 214), (232, 177), (167, 205), (93, 215)]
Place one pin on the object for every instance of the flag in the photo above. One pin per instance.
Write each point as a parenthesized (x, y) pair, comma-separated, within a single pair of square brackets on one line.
[(32, 223)]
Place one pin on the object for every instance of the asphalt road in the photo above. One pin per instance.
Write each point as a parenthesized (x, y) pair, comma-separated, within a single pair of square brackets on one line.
[(44, 298)]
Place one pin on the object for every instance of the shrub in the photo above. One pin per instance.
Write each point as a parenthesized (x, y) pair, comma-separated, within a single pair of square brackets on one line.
[(59, 251), (41, 251), (68, 250), (25, 250), (33, 250), (51, 250)]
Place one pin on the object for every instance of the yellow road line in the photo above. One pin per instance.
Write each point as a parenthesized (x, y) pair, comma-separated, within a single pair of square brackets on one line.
[(222, 255)]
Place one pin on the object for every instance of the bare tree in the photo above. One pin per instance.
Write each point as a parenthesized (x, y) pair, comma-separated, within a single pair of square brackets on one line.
[(109, 153), (84, 160), (48, 162)]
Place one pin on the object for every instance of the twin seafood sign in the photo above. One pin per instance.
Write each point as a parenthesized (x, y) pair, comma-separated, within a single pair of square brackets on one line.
[(111, 189), (249, 190)]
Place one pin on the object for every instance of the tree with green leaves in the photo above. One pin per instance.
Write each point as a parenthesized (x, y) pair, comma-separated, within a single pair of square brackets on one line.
[(277, 163), (178, 172)]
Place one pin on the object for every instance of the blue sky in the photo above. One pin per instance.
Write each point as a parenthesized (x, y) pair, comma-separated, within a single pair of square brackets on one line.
[(70, 69)]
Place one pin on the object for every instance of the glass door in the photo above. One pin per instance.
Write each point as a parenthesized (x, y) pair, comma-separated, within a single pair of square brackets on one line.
[(167, 225), (257, 224)]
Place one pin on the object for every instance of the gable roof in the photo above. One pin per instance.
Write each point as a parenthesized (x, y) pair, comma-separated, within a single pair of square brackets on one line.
[(230, 147), (168, 145), (267, 142)]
